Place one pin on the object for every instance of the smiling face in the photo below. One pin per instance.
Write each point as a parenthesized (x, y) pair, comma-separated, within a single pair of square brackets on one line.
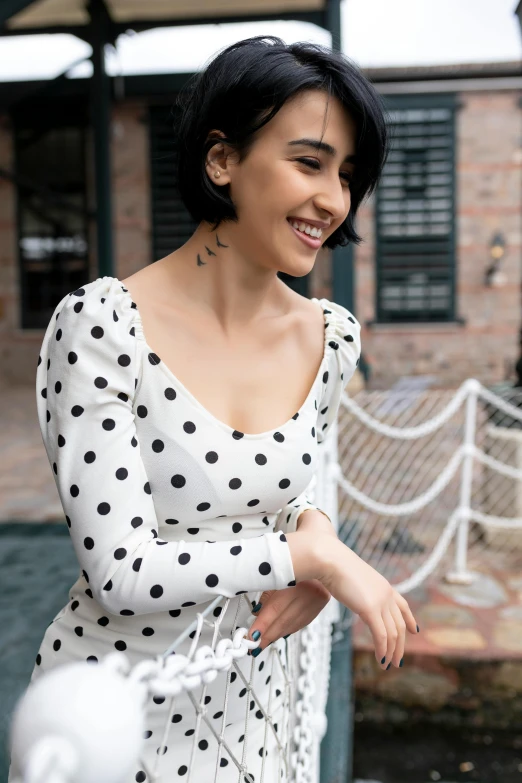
[(281, 179)]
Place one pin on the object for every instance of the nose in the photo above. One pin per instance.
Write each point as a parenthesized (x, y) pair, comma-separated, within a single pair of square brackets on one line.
[(334, 200)]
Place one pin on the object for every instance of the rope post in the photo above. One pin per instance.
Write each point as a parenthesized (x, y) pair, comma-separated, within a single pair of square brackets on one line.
[(461, 575)]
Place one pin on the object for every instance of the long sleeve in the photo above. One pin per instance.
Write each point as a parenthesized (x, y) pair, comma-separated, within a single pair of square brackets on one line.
[(85, 384), (287, 518), (343, 351)]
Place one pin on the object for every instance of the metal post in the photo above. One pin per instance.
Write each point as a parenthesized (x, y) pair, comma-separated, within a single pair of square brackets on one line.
[(337, 745), (100, 122), (342, 257)]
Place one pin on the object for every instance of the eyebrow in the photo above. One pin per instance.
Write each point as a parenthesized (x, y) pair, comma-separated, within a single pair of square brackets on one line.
[(322, 145)]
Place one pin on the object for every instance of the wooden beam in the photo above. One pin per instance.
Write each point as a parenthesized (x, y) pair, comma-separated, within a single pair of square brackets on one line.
[(9, 8)]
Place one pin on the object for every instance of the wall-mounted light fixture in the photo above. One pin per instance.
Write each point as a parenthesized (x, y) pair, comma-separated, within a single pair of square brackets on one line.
[(494, 275)]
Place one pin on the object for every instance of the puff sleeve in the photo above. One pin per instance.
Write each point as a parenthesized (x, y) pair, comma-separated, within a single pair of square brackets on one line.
[(342, 351), (85, 383)]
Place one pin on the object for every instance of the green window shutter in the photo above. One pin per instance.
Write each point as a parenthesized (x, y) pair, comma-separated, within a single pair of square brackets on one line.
[(171, 224), (415, 212)]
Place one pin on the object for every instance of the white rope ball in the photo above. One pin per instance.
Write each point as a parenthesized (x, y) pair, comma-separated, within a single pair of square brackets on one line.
[(97, 711)]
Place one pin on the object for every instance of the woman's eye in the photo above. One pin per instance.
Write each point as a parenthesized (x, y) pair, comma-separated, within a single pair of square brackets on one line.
[(314, 164)]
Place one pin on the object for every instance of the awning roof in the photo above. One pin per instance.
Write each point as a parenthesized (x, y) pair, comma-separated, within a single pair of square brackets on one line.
[(33, 15)]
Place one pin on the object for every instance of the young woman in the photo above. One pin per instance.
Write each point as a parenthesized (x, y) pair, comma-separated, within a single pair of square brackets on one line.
[(181, 408)]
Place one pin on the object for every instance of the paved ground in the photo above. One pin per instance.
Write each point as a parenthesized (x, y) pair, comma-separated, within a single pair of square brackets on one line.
[(37, 567)]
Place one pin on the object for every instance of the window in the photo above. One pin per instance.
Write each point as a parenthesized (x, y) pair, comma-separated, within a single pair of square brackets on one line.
[(415, 213), (52, 206)]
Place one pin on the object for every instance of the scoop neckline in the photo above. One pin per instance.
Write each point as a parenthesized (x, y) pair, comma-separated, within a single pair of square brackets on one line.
[(196, 403)]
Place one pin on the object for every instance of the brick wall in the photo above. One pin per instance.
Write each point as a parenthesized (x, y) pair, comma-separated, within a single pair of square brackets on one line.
[(488, 199)]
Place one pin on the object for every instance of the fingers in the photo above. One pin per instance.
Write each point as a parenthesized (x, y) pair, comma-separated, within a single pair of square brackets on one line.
[(409, 619), (400, 625), (392, 633), (288, 611), (389, 631), (379, 633), (274, 603), (274, 623)]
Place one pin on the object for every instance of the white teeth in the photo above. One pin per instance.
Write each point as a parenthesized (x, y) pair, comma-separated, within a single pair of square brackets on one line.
[(306, 228)]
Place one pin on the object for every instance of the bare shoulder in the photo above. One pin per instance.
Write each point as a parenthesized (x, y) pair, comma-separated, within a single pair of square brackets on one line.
[(308, 318)]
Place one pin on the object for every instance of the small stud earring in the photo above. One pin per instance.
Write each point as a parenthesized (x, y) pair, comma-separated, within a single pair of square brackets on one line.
[(217, 174)]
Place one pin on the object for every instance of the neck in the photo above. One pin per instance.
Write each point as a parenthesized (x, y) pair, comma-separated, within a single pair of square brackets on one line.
[(213, 274)]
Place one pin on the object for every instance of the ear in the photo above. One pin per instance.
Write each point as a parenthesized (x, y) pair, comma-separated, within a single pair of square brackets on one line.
[(220, 158)]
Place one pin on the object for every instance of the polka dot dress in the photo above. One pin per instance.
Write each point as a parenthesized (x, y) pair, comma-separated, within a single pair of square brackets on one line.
[(168, 508)]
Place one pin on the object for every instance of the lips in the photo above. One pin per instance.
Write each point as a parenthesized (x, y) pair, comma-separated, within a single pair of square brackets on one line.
[(313, 242)]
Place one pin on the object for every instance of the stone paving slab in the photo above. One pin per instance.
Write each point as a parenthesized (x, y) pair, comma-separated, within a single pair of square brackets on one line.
[(37, 567)]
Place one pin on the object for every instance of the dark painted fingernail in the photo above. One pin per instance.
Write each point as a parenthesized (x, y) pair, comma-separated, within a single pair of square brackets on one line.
[(256, 608), (286, 637), (256, 651), (383, 659), (401, 661), (388, 666), (256, 635), (418, 629)]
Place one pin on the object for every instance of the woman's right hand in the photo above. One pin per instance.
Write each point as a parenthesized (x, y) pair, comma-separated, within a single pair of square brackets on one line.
[(367, 593)]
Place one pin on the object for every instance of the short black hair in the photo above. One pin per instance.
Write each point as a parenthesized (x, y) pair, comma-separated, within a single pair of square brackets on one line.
[(242, 88)]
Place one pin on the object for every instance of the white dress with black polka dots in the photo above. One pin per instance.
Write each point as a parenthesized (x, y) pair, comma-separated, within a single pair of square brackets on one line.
[(167, 508)]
